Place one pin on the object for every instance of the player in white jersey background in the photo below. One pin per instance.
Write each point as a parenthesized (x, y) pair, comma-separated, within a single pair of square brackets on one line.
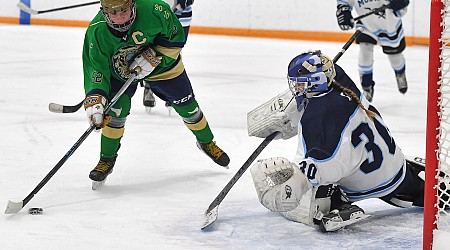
[(385, 28), (342, 141)]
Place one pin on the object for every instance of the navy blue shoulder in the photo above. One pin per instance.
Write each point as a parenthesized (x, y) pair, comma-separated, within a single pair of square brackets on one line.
[(326, 117)]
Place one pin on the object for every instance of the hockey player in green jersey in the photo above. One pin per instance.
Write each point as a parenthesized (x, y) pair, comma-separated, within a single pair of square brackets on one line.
[(127, 35), (183, 11)]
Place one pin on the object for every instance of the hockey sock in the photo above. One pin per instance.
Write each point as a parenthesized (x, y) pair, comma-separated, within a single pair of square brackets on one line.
[(365, 61), (110, 141), (195, 121), (397, 62)]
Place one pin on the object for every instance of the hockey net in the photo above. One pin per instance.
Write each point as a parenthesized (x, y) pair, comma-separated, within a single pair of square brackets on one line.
[(437, 219)]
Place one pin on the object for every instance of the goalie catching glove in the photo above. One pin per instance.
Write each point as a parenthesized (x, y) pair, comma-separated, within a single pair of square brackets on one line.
[(95, 108), (145, 63), (279, 114), (279, 184)]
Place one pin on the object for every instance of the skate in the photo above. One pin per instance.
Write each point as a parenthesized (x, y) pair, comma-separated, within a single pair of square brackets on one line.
[(339, 218), (149, 100), (169, 107), (101, 171), (402, 84), (215, 153), (368, 86), (368, 93)]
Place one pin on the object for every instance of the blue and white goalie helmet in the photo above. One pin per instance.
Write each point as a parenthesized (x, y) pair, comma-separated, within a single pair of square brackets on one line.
[(310, 72)]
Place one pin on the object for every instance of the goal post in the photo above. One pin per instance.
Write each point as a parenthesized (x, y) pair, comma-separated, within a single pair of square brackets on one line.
[(438, 124)]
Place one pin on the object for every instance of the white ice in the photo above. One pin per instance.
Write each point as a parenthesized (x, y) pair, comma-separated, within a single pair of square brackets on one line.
[(162, 184)]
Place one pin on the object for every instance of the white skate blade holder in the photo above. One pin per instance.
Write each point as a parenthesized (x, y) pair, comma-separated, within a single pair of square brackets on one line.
[(336, 225), (98, 184)]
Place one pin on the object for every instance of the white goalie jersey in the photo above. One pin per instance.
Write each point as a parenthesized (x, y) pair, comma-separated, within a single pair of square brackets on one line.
[(340, 144), (386, 27)]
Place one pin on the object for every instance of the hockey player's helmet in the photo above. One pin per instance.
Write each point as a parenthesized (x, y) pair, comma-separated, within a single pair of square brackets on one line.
[(310, 72), (115, 6)]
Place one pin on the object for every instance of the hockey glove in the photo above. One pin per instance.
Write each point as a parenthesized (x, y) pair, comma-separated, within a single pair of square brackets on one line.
[(95, 108), (145, 63), (185, 3), (278, 114), (344, 17), (397, 5)]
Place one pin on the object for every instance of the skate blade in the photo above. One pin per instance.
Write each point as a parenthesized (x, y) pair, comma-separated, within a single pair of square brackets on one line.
[(98, 184), (148, 110), (336, 225), (169, 110)]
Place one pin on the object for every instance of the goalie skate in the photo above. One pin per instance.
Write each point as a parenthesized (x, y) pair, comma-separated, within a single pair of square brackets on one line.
[(341, 217)]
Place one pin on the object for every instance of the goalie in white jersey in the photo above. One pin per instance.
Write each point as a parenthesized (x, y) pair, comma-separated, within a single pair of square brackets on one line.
[(344, 147), (384, 27)]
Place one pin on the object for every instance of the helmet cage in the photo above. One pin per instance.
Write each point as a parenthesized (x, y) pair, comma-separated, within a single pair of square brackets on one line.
[(314, 82), (112, 7), (310, 72)]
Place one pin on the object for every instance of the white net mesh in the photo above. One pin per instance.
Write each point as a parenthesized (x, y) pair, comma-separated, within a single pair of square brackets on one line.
[(443, 175)]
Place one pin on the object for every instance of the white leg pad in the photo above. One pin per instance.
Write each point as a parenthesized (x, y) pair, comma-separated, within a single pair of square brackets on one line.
[(279, 184)]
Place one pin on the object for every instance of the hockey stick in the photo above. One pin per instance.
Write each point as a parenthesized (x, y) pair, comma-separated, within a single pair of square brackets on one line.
[(213, 209), (376, 10), (15, 207), (212, 212), (31, 11), (59, 108), (348, 43)]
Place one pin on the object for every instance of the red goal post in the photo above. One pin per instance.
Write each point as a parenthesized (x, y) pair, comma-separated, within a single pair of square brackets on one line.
[(438, 125)]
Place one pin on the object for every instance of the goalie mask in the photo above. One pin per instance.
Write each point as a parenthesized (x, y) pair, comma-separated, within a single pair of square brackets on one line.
[(119, 14), (310, 72)]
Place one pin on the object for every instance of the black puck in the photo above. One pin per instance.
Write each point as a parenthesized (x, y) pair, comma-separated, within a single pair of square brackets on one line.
[(35, 210)]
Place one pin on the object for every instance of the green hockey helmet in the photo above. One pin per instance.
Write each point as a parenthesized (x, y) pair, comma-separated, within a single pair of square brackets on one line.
[(115, 6)]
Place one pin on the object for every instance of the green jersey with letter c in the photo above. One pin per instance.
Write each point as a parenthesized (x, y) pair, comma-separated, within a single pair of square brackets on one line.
[(107, 56)]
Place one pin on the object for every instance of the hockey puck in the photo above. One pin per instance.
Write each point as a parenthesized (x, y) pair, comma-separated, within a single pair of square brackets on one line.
[(35, 210)]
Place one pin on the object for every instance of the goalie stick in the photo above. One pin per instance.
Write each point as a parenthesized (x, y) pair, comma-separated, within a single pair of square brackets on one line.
[(59, 108), (212, 212), (15, 207)]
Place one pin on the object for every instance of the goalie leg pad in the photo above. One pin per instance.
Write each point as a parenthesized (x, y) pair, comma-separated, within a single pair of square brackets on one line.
[(312, 207), (279, 184)]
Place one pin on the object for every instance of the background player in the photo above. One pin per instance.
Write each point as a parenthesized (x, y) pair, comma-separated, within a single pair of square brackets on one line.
[(385, 28)]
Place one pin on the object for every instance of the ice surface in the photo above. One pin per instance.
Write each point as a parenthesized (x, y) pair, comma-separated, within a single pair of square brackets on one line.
[(162, 184)]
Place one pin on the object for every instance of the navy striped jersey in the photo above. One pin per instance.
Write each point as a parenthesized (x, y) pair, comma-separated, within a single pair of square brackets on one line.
[(339, 143)]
